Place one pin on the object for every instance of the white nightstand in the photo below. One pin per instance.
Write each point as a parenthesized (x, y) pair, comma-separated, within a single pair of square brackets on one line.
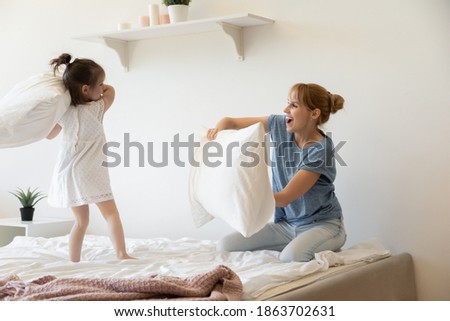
[(44, 227)]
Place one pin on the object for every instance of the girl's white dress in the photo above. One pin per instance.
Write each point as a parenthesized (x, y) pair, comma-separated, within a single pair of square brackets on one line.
[(80, 176)]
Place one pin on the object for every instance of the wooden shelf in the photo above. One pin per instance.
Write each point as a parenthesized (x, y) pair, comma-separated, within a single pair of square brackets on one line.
[(230, 25)]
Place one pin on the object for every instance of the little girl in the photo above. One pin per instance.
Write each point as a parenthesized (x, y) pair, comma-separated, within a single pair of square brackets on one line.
[(79, 177)]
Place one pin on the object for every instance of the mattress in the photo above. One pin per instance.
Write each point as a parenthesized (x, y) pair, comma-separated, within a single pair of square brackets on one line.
[(263, 275)]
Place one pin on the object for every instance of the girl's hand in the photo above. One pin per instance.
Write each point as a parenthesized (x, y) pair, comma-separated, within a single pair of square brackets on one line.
[(108, 96), (54, 132)]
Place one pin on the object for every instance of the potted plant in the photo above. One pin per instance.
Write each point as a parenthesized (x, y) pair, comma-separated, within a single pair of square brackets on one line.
[(28, 199), (178, 9)]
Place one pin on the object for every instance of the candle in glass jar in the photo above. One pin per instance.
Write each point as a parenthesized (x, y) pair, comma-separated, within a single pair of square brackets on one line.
[(144, 21), (163, 15)]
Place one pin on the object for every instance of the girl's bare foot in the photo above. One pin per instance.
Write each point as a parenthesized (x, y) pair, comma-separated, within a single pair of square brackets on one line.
[(125, 257)]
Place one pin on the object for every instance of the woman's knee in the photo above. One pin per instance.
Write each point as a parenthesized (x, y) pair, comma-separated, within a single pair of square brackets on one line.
[(229, 243), (304, 247), (296, 255)]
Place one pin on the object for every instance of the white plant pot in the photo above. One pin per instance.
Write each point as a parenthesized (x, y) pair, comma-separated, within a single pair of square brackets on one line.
[(178, 12)]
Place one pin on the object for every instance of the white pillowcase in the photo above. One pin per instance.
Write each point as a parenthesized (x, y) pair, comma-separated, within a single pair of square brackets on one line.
[(31, 109), (238, 194)]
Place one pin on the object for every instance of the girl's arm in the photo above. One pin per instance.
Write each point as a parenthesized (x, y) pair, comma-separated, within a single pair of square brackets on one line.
[(236, 123), (108, 96), (54, 132), (297, 186)]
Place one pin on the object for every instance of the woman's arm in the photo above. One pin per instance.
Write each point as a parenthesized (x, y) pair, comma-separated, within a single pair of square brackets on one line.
[(54, 132), (237, 123), (297, 186), (108, 96)]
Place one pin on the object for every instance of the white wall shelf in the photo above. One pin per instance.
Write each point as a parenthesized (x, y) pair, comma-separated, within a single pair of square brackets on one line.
[(230, 25)]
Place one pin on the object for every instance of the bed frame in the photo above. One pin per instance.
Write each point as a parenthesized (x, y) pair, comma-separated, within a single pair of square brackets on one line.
[(390, 279), (370, 274)]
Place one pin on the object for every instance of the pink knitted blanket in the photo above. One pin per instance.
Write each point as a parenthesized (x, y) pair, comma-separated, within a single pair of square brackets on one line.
[(221, 283)]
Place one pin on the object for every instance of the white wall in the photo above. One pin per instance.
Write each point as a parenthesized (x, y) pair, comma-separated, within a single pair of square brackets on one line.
[(388, 59)]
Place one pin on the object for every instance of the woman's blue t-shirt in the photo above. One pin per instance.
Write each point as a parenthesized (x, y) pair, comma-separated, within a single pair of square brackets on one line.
[(320, 202)]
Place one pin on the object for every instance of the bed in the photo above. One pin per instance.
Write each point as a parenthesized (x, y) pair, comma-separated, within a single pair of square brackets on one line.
[(364, 271)]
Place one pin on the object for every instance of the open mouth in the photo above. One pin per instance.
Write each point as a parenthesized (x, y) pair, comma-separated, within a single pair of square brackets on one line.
[(289, 120)]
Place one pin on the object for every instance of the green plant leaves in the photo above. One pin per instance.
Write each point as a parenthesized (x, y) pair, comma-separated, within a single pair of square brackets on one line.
[(28, 198), (172, 2)]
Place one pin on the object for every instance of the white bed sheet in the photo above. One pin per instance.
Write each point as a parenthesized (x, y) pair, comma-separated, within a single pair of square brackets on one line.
[(261, 273)]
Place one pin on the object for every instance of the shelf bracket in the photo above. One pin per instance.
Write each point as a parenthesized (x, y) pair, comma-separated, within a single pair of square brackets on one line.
[(235, 32), (120, 47)]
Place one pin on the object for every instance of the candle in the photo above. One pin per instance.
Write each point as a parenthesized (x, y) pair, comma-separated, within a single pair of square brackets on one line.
[(154, 14), (164, 15), (144, 21), (124, 25), (163, 19)]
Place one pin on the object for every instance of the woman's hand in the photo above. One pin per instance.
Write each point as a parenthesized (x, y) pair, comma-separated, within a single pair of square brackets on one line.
[(302, 182), (212, 133)]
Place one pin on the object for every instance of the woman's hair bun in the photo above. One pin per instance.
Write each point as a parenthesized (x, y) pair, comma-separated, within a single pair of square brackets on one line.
[(336, 103)]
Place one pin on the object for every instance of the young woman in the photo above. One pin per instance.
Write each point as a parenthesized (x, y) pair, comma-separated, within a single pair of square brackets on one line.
[(79, 177), (308, 216)]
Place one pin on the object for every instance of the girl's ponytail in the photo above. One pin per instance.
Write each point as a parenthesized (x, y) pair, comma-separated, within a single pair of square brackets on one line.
[(63, 59), (77, 73)]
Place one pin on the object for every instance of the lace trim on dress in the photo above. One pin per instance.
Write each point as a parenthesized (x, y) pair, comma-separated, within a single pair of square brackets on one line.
[(91, 199)]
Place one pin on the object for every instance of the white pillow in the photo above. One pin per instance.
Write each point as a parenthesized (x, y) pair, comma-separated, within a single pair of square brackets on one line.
[(31, 109), (239, 194)]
